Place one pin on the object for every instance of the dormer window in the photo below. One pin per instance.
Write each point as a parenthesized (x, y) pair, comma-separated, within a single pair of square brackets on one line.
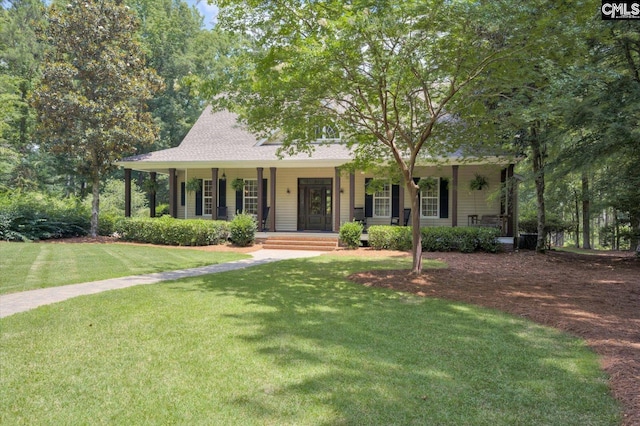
[(327, 133)]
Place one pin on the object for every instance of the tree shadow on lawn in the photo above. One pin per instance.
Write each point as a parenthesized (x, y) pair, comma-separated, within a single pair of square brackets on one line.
[(595, 297), (372, 356)]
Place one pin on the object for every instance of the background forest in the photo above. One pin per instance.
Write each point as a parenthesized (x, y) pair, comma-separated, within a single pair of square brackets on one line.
[(572, 112)]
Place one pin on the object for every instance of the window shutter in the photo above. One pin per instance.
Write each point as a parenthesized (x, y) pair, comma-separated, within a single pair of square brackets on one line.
[(199, 199), (368, 200), (239, 201), (265, 188), (182, 193), (222, 193), (444, 198), (395, 201)]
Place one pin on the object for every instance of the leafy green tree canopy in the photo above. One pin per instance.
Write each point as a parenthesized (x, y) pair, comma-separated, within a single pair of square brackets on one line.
[(91, 103), (395, 77)]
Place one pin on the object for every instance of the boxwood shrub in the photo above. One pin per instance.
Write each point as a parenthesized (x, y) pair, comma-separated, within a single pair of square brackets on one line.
[(386, 237), (243, 229), (176, 232), (464, 239), (350, 234)]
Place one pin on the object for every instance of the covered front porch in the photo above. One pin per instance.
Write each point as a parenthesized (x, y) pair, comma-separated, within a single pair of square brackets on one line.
[(320, 199)]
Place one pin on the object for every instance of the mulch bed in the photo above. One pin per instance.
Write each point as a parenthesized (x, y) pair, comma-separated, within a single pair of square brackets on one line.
[(595, 297)]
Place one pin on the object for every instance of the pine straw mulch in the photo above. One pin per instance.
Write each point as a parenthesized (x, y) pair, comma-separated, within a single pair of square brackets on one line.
[(592, 296)]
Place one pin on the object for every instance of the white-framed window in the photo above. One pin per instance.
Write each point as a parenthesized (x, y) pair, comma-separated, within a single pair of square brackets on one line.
[(207, 197), (430, 199), (250, 196), (382, 202), (327, 133)]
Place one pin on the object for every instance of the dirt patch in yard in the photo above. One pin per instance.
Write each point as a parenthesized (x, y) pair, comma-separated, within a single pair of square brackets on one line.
[(595, 297)]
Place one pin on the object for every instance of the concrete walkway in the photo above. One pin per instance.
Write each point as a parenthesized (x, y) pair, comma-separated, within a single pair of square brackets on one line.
[(19, 302)]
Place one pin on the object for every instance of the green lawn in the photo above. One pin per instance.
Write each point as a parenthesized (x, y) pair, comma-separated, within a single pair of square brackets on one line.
[(289, 343), (27, 266)]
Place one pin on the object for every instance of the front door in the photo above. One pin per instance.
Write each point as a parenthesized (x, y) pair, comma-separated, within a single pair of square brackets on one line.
[(314, 204)]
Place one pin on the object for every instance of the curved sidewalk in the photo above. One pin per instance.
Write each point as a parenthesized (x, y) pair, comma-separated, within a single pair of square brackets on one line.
[(19, 302)]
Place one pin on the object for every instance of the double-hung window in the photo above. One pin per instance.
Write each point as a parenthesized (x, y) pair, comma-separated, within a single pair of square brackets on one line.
[(382, 202), (250, 197), (207, 197), (429, 199)]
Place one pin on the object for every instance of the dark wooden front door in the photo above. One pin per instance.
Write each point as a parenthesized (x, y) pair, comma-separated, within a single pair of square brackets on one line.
[(314, 204)]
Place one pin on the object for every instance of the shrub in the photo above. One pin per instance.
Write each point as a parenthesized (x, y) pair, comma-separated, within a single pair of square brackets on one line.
[(386, 237), (488, 240), (169, 231), (350, 234), (437, 239), (464, 239), (107, 223), (243, 230), (37, 216), (440, 238), (162, 209), (553, 224)]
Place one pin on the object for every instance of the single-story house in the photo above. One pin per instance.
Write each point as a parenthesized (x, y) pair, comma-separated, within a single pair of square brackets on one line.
[(239, 172)]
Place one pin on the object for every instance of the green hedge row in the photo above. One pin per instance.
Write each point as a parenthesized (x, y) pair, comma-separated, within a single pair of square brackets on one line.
[(176, 232), (463, 239), (36, 216)]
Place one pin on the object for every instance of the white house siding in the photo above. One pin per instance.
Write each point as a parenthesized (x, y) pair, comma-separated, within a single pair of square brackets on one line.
[(470, 202), (286, 203), (486, 201)]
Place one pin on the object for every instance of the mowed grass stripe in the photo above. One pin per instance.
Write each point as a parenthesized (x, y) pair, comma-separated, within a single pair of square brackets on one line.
[(14, 267), (28, 266)]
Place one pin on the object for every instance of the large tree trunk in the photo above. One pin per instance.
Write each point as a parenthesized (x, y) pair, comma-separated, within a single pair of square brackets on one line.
[(586, 223), (538, 154), (416, 249), (95, 206), (577, 217)]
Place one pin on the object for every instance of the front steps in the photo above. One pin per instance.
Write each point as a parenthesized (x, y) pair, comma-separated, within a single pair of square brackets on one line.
[(295, 242)]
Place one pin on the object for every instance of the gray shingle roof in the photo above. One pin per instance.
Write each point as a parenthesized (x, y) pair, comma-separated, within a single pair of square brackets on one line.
[(217, 137)]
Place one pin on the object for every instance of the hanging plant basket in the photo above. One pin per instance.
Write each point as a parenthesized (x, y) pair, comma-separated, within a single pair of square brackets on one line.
[(150, 186), (427, 184), (237, 184), (193, 185), (374, 186), (478, 183)]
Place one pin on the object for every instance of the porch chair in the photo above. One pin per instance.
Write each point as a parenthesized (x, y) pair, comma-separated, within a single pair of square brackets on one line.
[(405, 218), (407, 213), (222, 213), (358, 216), (264, 226)]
